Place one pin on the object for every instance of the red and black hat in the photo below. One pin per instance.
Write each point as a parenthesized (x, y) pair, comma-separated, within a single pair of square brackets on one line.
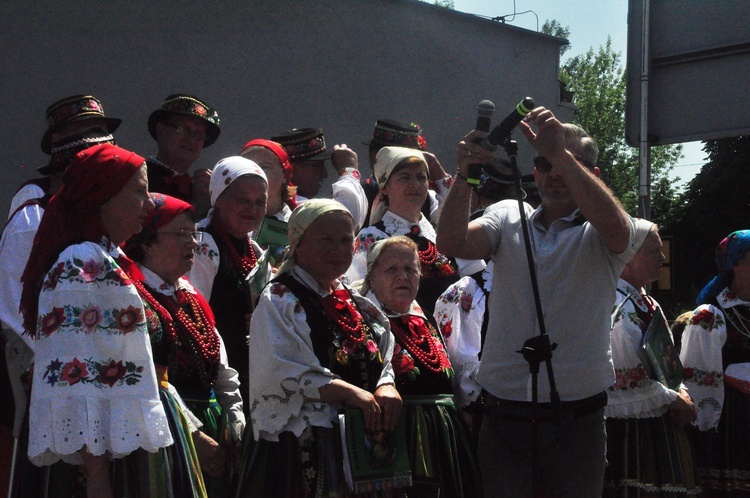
[(389, 132), (74, 108), (179, 104), (304, 144)]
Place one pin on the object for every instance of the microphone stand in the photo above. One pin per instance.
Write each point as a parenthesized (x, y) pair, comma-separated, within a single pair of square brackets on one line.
[(536, 349)]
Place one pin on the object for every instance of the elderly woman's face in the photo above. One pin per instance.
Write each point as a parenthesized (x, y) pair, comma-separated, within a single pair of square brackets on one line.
[(271, 166), (326, 248), (647, 262), (407, 188), (171, 254), (395, 277), (241, 207), (123, 215)]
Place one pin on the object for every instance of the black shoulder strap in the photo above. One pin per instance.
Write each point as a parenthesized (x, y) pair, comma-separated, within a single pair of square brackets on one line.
[(479, 279), (320, 328)]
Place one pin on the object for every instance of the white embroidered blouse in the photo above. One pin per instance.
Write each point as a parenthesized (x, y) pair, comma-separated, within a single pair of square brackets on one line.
[(703, 339), (94, 383), (285, 373), (459, 314), (634, 394), (396, 225)]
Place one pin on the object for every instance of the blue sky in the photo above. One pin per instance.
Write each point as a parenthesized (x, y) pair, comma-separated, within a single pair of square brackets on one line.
[(590, 22)]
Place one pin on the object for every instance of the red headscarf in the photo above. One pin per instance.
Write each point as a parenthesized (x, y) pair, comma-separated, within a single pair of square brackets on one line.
[(280, 153), (72, 216), (166, 209)]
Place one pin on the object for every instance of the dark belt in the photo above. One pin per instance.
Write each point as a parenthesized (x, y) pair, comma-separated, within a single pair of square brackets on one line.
[(522, 411)]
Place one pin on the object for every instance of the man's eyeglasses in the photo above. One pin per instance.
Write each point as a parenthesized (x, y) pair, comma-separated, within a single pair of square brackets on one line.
[(185, 236), (184, 132), (542, 165)]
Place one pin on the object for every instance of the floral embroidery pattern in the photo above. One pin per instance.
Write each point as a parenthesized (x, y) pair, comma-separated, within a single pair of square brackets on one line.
[(99, 374), (630, 378), (703, 377), (348, 351), (635, 319), (707, 319), (88, 272), (447, 328), (403, 363), (279, 289), (206, 250), (51, 321), (89, 319), (364, 242), (458, 297)]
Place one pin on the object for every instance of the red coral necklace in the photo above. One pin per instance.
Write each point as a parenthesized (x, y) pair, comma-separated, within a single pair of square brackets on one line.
[(245, 262), (198, 328), (199, 333), (429, 255), (415, 336), (339, 308)]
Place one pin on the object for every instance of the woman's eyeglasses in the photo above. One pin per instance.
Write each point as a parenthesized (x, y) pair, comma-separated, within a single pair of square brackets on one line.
[(544, 166), (185, 236)]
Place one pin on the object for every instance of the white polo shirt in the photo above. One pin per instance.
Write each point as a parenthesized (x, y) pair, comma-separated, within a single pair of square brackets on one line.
[(577, 276)]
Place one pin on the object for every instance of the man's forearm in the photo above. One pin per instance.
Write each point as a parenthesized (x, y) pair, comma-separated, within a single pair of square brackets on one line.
[(598, 205), (454, 219)]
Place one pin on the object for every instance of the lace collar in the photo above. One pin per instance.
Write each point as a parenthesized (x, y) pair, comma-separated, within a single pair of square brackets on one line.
[(396, 225), (414, 308), (728, 299), (310, 282), (157, 283)]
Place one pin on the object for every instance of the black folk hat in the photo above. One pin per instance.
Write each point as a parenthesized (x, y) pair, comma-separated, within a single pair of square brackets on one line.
[(389, 132), (74, 108), (63, 151), (179, 104), (304, 144), (497, 181)]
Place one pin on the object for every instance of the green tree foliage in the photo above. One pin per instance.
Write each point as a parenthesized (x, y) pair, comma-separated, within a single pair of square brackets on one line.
[(598, 80), (554, 28), (716, 203), (448, 4)]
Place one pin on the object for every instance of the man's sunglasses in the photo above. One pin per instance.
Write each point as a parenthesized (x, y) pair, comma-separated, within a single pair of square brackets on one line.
[(544, 166)]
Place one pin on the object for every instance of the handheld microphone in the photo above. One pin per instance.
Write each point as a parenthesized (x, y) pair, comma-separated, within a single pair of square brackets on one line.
[(500, 134), (485, 110)]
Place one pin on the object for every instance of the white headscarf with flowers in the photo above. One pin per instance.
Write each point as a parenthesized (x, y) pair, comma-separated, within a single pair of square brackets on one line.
[(227, 171)]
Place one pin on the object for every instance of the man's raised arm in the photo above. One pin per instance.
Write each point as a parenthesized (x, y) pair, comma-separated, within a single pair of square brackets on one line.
[(456, 236)]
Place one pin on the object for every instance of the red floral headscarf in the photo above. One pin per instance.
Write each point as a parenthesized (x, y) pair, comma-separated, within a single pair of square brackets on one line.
[(166, 209), (72, 215)]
